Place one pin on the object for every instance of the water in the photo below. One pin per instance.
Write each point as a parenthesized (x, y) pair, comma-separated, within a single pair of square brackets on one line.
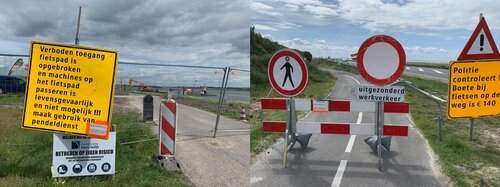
[(232, 94)]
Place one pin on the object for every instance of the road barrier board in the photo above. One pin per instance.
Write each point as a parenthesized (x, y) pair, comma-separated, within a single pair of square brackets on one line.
[(335, 105), (474, 89), (70, 89)]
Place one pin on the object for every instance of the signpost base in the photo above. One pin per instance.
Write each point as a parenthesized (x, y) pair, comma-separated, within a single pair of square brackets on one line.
[(169, 163), (303, 139)]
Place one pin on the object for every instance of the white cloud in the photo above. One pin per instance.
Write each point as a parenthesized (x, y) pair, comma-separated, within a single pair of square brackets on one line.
[(268, 36), (264, 9), (384, 15), (320, 11), (264, 27), (375, 15), (292, 7), (204, 33), (297, 11), (319, 47), (323, 48), (275, 26), (418, 50)]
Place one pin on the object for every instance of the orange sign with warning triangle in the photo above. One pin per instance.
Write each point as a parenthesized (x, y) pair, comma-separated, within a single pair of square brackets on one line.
[(480, 45)]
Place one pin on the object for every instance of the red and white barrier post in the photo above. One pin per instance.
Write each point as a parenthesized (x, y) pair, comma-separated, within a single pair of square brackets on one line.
[(168, 127), (243, 115)]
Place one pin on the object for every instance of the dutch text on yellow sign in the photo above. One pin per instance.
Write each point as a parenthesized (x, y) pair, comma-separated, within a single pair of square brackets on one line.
[(474, 89), (70, 89)]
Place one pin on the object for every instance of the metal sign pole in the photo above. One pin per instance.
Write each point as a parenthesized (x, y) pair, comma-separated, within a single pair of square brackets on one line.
[(219, 106), (441, 121), (379, 126), (291, 128), (77, 39), (471, 126), (287, 130)]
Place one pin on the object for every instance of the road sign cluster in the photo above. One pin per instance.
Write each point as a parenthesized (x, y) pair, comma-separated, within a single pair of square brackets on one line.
[(376, 52), (70, 90), (473, 79)]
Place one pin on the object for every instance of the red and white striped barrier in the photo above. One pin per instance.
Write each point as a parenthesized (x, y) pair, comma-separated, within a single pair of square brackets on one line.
[(243, 115), (334, 105), (168, 126), (349, 128), (335, 128)]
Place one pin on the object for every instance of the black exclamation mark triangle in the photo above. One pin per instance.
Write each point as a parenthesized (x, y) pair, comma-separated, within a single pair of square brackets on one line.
[(481, 42)]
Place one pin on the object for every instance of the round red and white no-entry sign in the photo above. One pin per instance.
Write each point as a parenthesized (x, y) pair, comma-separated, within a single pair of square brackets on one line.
[(287, 72), (381, 60)]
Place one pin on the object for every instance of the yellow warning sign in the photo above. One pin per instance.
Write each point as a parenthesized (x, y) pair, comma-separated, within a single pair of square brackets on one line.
[(474, 89), (70, 89)]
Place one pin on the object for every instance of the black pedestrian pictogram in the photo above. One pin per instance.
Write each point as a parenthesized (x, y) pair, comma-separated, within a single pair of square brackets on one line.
[(288, 72)]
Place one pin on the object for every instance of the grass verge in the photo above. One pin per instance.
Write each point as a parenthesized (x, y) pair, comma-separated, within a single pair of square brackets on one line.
[(26, 156), (12, 99), (467, 163), (229, 109)]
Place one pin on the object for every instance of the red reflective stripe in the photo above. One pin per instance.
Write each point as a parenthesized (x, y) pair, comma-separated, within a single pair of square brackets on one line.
[(392, 130), (274, 126), (340, 106), (168, 128), (335, 128), (171, 106), (273, 103), (392, 107), (164, 150)]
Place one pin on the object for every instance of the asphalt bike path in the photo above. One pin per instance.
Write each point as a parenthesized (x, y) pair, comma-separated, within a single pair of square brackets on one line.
[(204, 160)]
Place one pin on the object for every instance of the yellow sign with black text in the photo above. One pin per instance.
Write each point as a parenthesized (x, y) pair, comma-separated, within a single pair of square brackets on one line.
[(474, 89), (70, 89)]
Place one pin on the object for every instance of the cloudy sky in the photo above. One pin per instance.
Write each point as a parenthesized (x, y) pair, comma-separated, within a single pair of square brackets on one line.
[(429, 30), (206, 33)]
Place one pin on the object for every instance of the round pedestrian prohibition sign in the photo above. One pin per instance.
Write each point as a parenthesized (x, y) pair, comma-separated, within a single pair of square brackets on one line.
[(287, 72), (381, 60)]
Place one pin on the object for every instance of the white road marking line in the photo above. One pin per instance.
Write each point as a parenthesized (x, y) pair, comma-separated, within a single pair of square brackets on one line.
[(353, 137), (354, 79), (420, 69), (407, 67), (255, 179), (350, 144), (343, 163), (360, 116), (437, 71), (339, 174)]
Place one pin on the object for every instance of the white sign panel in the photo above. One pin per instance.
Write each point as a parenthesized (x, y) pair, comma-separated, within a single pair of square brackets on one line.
[(81, 156), (380, 93), (320, 106)]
